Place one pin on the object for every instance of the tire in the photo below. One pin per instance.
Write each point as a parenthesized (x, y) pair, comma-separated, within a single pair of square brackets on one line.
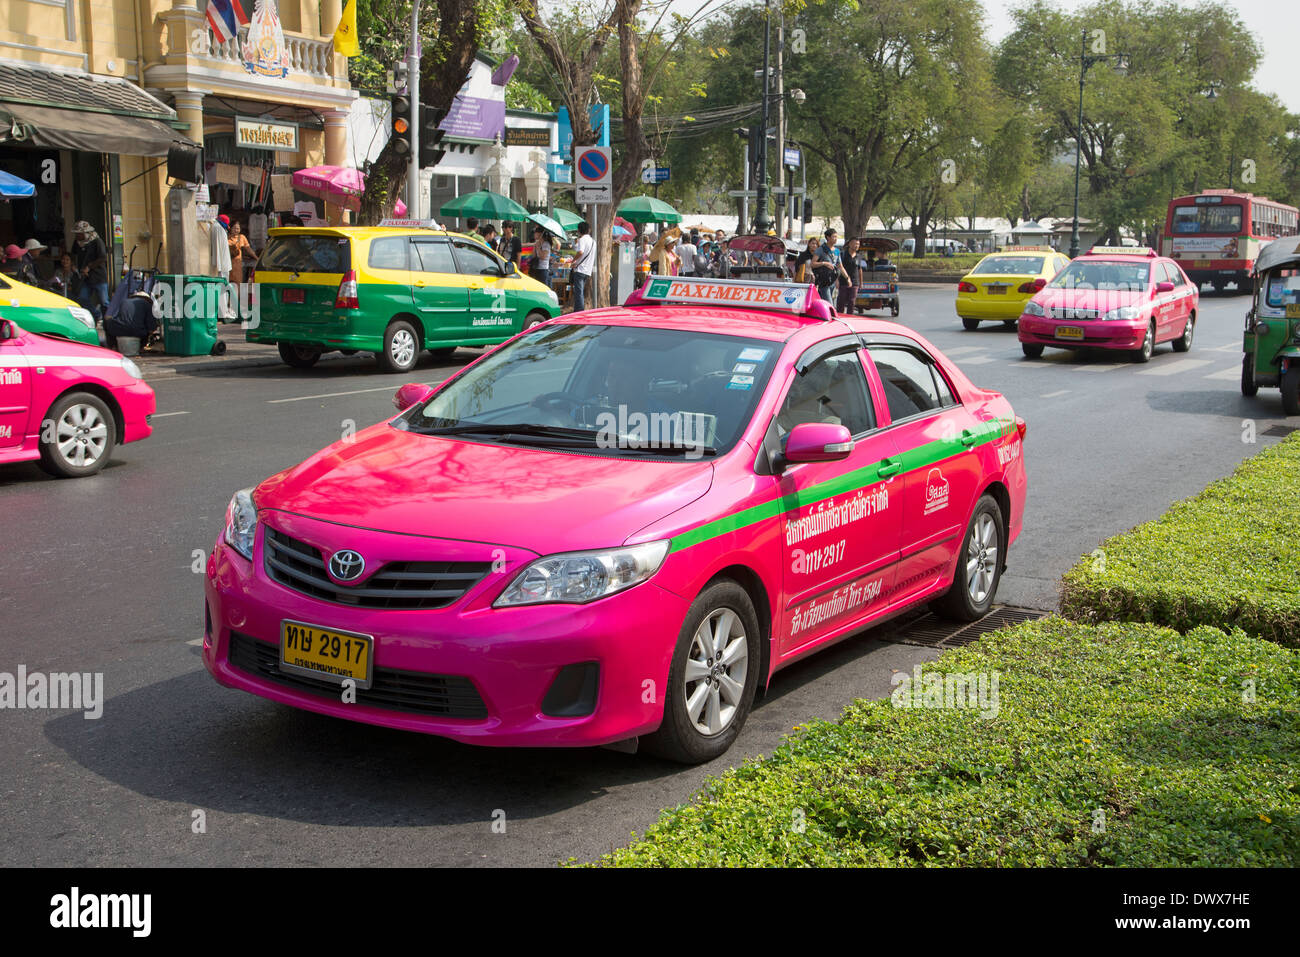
[(893, 310), (82, 435), (1291, 390), (443, 352), (299, 357), (979, 565), (401, 347), (969, 324), (1249, 388), (1010, 323), (533, 318), (1184, 342), (679, 738), (1148, 347), (219, 348), (1032, 350)]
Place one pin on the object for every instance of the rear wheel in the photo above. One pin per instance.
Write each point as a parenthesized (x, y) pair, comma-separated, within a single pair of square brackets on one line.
[(712, 677), (401, 347), (1184, 342), (1032, 350), (1248, 385), (1291, 390), (1009, 323), (979, 565), (299, 357), (893, 310), (969, 324), (77, 436), (1148, 347)]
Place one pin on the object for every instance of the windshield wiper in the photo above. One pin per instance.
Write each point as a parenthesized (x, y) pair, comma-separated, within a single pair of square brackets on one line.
[(673, 448), (515, 428)]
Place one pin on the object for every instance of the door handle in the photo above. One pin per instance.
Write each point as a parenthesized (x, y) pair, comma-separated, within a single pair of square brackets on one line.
[(967, 438), (889, 467)]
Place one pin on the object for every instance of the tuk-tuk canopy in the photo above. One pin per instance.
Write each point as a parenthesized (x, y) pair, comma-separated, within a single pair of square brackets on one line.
[(881, 244), (1280, 252), (757, 243)]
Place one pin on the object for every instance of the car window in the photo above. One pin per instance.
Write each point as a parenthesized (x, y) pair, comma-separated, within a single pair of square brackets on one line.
[(1103, 274), (1011, 265), (388, 253), (912, 383), (474, 260), (432, 256), (834, 390), (307, 253)]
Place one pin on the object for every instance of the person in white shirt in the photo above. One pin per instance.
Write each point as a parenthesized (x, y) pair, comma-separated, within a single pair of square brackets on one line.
[(540, 268), (583, 264), (687, 251)]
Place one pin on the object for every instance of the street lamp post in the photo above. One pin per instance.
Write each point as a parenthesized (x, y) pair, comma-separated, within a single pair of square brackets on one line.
[(760, 211), (1086, 62)]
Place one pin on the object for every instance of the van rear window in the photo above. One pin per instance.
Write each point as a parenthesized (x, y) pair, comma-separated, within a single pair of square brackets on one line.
[(331, 254)]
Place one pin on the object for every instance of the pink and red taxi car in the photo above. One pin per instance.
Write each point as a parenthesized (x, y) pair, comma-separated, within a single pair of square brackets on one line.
[(620, 523), (67, 404), (1114, 297)]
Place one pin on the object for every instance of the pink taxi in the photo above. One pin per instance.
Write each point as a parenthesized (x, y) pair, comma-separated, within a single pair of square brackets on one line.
[(618, 525), (1115, 297), (67, 404)]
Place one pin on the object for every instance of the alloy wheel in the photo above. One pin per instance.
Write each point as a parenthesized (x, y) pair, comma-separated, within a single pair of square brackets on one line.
[(981, 558), (402, 347), (715, 672), (81, 435)]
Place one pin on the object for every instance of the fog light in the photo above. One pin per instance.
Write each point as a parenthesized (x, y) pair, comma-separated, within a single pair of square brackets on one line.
[(573, 692)]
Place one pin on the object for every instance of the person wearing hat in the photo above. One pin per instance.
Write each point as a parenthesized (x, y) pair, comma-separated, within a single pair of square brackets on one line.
[(27, 271), (91, 257), (220, 240), (13, 256)]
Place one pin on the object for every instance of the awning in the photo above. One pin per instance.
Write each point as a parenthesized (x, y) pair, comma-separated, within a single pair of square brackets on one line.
[(93, 132)]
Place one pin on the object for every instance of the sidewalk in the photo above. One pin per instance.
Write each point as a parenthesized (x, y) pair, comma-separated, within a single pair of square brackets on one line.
[(240, 354)]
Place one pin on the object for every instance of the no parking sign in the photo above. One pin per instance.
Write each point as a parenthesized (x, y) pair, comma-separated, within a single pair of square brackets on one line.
[(591, 174)]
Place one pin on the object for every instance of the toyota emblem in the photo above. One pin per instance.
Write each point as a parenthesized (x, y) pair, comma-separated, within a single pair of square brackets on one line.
[(347, 565)]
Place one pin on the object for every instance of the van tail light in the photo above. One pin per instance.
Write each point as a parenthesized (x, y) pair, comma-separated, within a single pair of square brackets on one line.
[(965, 286), (1032, 287), (347, 294), (1021, 427)]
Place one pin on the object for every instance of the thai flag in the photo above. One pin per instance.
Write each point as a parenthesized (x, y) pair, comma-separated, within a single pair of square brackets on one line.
[(225, 17)]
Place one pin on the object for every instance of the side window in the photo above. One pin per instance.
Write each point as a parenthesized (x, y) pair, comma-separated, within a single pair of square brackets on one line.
[(912, 383), (432, 256), (474, 260), (831, 390), (388, 253)]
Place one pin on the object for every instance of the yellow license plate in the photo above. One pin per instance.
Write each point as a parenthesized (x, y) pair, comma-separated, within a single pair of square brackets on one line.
[(1293, 311), (997, 290), (324, 653), (1069, 332), (1201, 264)]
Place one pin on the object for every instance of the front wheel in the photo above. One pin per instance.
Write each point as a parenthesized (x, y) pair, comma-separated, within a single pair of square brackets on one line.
[(979, 565), (1249, 387), (712, 677), (969, 324), (298, 357), (893, 310), (533, 318), (401, 347), (77, 436), (1184, 342), (1291, 389), (1032, 350), (1148, 347)]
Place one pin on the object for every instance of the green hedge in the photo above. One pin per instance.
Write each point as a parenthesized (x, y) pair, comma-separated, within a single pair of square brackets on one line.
[(1228, 557), (1141, 723)]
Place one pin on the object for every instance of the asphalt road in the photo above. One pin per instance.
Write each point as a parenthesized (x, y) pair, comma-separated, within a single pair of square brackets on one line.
[(104, 575)]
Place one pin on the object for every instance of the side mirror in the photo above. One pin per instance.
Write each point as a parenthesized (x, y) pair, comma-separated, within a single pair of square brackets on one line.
[(818, 442), (413, 393), (1164, 286), (510, 268), (7, 330)]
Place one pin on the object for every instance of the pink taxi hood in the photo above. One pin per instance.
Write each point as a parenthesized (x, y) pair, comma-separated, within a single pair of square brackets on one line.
[(1104, 299), (545, 501)]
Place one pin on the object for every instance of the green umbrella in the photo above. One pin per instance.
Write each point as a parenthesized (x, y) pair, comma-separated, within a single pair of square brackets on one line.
[(548, 224), (485, 204), (647, 209), (567, 219)]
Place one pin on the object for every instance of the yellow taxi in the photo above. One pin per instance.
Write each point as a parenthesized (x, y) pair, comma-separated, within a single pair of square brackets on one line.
[(997, 289)]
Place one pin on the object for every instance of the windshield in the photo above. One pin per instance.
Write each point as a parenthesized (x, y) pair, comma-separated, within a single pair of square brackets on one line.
[(1126, 277), (1207, 218), (1283, 288), (1012, 265), (307, 253), (607, 388)]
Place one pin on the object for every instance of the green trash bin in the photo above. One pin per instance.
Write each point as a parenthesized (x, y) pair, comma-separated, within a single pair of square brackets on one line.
[(190, 324)]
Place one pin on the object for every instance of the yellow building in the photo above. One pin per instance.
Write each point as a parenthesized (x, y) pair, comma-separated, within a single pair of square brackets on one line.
[(93, 93)]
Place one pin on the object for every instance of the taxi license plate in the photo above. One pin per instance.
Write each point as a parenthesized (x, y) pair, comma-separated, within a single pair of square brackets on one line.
[(1069, 332), (874, 287), (1201, 264), (325, 653), (996, 290), (1293, 311), (292, 295)]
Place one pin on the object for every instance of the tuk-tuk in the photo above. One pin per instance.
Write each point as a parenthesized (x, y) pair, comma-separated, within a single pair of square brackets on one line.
[(877, 275), (759, 245), (1272, 339)]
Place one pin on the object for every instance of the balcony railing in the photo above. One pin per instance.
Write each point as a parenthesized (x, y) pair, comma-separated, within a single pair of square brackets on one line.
[(307, 57)]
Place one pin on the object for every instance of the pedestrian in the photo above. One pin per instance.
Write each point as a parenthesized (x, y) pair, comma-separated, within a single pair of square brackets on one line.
[(826, 266), (64, 281), (803, 271), (92, 264), (241, 251), (471, 225), (540, 267), (510, 245), (584, 261), (28, 271), (849, 282), (703, 259), (220, 239), (13, 259), (686, 250)]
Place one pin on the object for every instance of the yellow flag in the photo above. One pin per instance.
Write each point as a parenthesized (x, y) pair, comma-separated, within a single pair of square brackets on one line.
[(345, 37)]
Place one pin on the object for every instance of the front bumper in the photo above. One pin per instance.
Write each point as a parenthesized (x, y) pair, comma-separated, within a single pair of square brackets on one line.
[(509, 659), (1097, 334), (138, 403)]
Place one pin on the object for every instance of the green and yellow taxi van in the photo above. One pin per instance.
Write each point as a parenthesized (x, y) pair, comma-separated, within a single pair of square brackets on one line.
[(388, 290)]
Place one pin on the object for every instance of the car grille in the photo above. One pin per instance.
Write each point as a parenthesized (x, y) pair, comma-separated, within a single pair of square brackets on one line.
[(448, 696), (1071, 313), (396, 585)]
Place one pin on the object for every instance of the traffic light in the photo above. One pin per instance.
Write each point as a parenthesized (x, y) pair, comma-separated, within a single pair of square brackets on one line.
[(430, 135), (401, 105), (807, 210)]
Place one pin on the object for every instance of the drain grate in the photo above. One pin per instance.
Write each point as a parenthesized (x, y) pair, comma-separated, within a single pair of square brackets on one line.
[(931, 631), (1281, 431)]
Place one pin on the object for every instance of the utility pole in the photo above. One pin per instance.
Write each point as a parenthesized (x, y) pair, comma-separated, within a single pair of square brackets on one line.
[(413, 84), (779, 205), (760, 213)]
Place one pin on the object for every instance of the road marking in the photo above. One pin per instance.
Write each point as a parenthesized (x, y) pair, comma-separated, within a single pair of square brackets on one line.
[(1230, 347), (1101, 367), (1175, 367), (194, 642), (1230, 374), (332, 395), (976, 360), (962, 349), (1053, 395), (163, 415)]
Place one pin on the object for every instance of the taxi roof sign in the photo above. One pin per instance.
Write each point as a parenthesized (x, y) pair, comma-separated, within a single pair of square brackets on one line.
[(1027, 249), (794, 298), (1123, 250), (410, 223)]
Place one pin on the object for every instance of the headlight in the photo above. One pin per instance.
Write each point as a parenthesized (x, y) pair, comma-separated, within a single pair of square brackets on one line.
[(241, 522), (555, 297), (83, 316), (131, 368), (579, 577), (1123, 312), (1034, 309)]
